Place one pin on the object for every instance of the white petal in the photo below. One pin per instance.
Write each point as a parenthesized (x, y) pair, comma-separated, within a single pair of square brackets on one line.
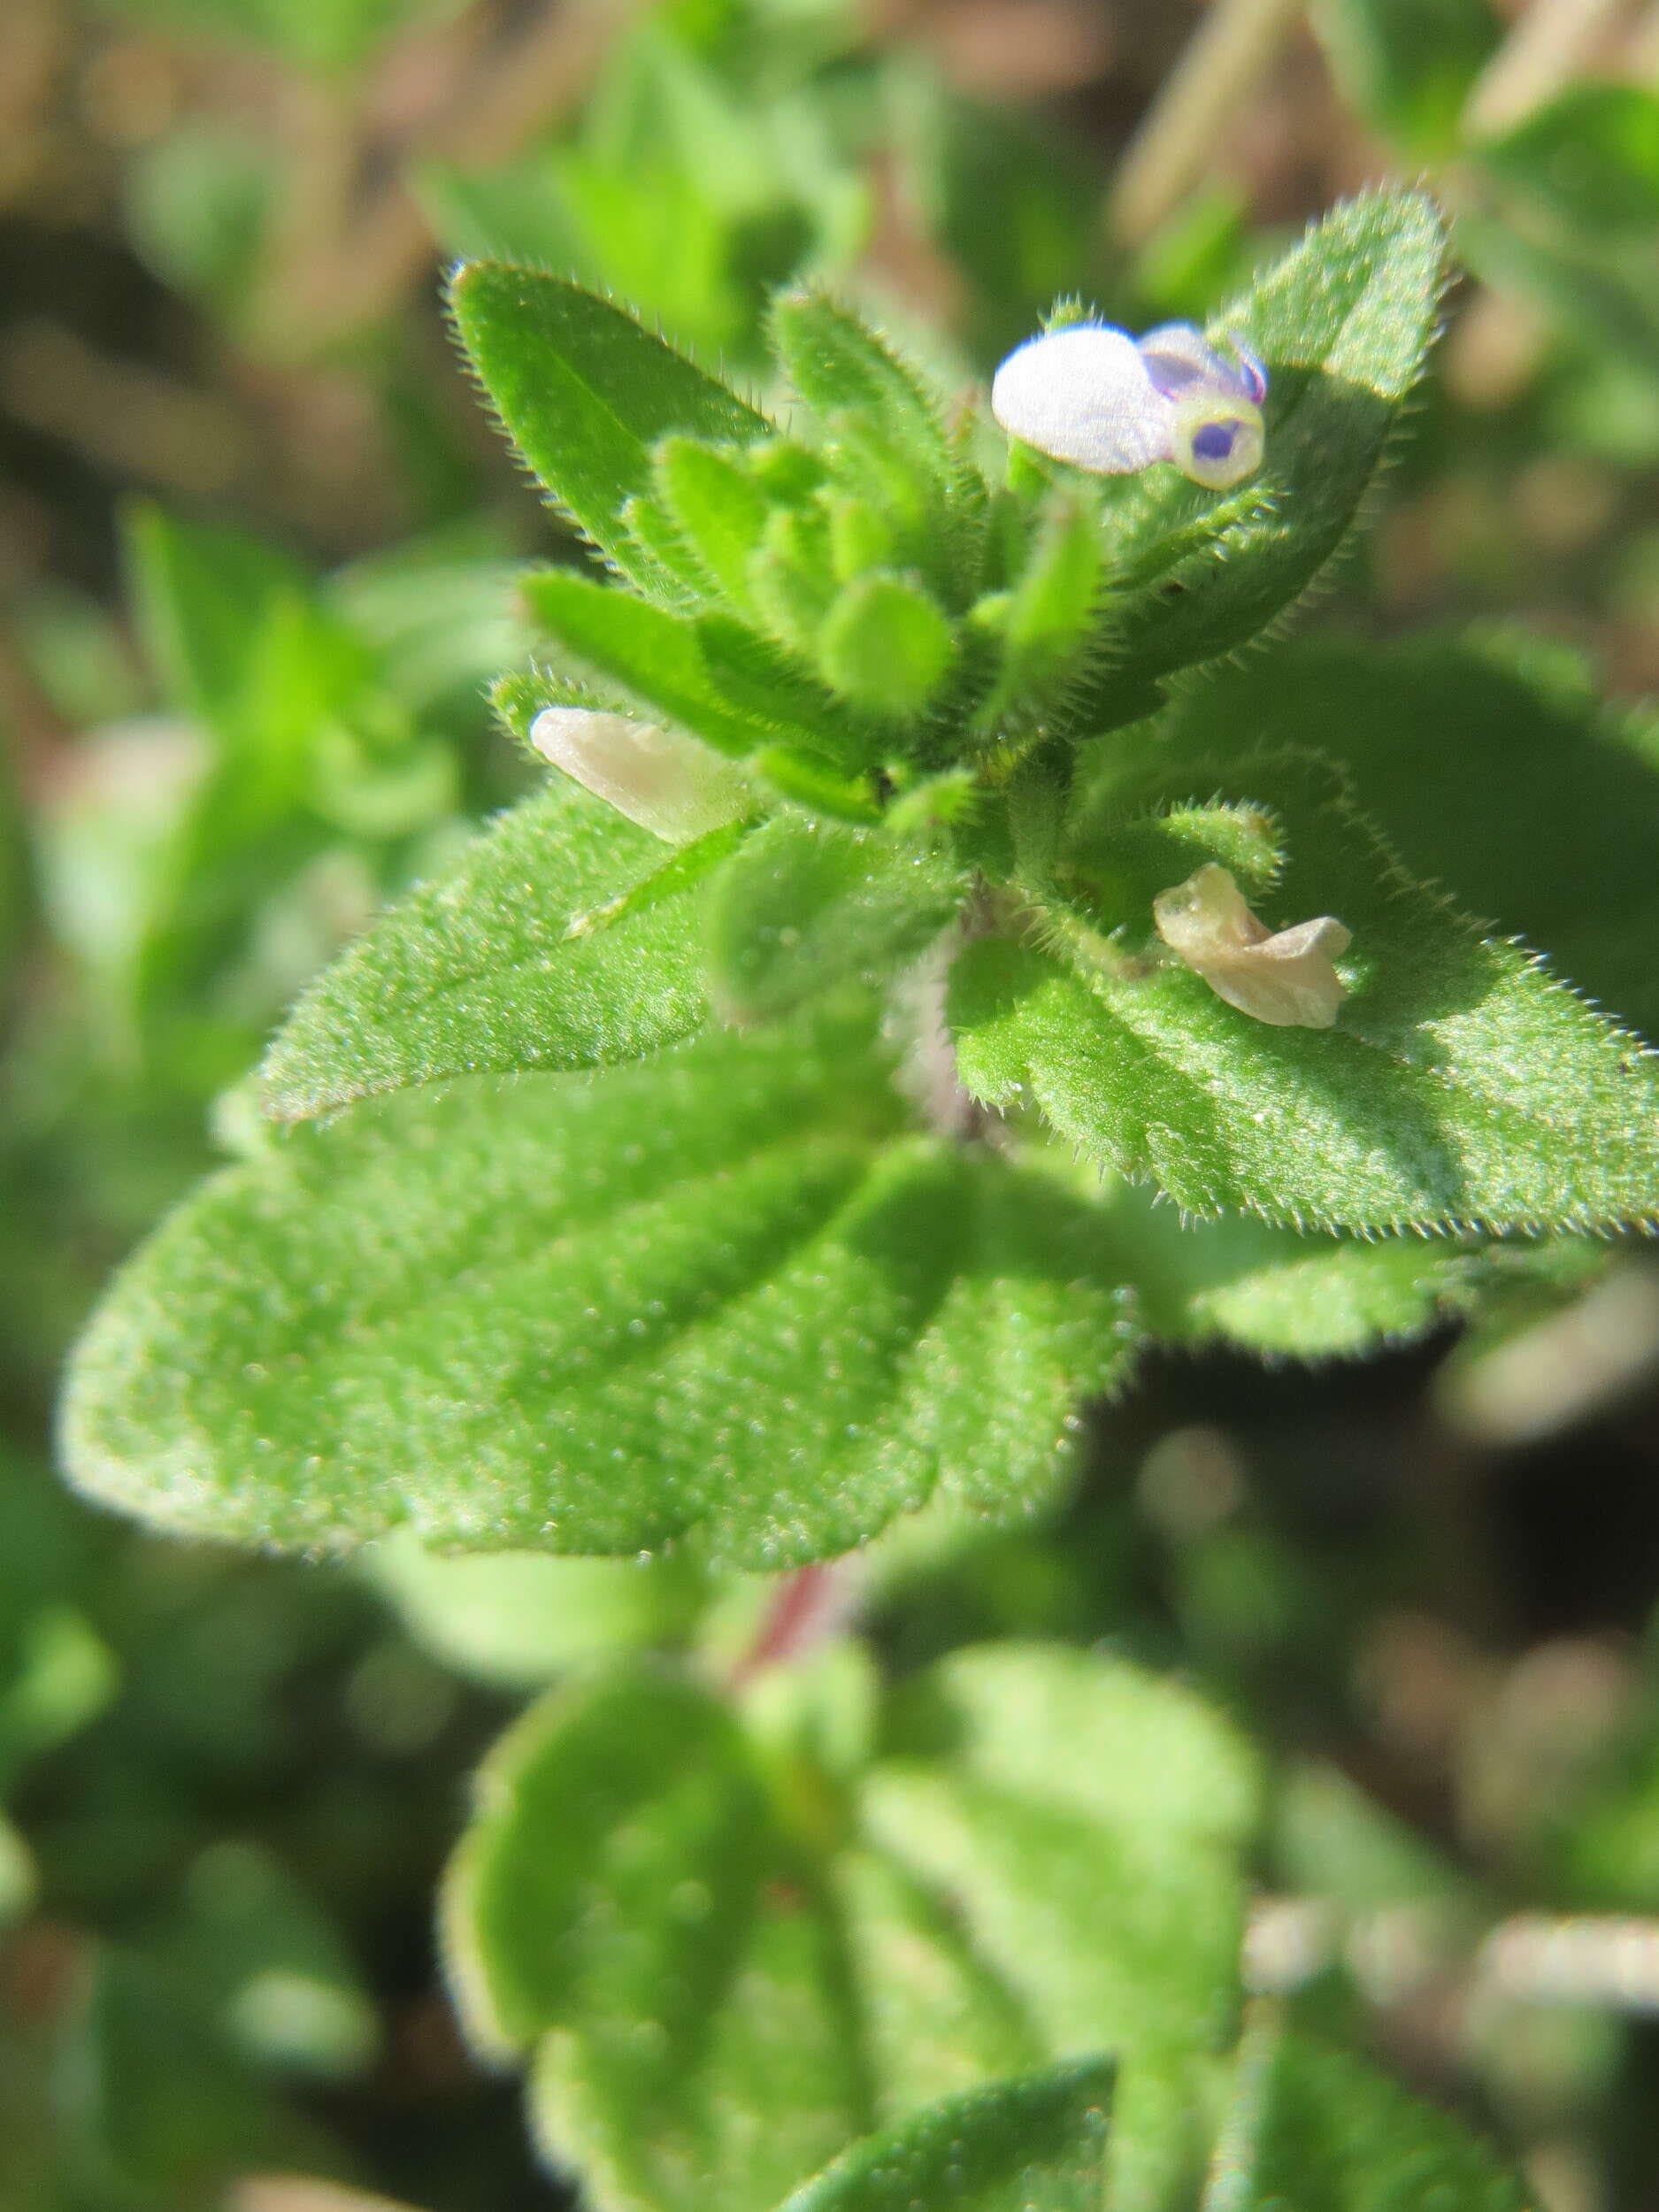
[(1083, 394), (668, 783), (1288, 980)]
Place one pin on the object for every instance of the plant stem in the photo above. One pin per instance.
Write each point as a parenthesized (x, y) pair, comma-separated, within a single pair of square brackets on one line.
[(807, 1604)]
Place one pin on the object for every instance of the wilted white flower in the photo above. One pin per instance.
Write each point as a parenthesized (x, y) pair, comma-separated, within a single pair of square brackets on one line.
[(668, 783), (1288, 979), (1095, 396)]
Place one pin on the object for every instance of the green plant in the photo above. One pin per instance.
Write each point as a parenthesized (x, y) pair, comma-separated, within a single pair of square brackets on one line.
[(745, 1144)]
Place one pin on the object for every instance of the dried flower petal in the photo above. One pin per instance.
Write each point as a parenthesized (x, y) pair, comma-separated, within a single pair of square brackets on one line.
[(1289, 980)]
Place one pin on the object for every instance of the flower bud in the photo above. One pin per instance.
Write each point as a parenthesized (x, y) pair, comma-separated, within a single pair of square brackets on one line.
[(669, 783)]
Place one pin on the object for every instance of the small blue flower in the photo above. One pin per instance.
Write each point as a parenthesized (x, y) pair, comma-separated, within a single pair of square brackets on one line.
[(1111, 403)]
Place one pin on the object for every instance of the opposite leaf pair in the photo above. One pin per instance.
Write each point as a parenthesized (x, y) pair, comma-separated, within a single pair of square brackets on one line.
[(730, 1941)]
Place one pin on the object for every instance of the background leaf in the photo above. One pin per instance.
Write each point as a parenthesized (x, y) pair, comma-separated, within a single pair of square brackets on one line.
[(1408, 66), (816, 1964), (1029, 2145), (1325, 2130)]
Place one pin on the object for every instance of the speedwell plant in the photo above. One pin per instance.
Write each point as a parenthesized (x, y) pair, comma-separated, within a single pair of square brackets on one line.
[(755, 1137)]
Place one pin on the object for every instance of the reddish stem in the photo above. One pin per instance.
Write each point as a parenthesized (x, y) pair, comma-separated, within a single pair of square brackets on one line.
[(807, 1605)]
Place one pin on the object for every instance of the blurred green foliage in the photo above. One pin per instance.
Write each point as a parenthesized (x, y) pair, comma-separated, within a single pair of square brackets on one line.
[(228, 1783)]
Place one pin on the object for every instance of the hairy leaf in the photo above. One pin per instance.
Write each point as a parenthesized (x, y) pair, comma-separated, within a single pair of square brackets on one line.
[(652, 656), (718, 508), (885, 645), (807, 905), (565, 937), (1464, 749), (718, 1289), (1053, 612), (583, 392), (1461, 1085), (840, 367), (1278, 1291)]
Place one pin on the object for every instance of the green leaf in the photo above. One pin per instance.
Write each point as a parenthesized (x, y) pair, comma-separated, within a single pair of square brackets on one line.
[(1590, 156), (583, 392), (1342, 324), (936, 2018), (1013, 199), (1315, 2128), (1461, 1085), (1105, 1935), (1098, 1885), (1053, 612), (250, 1939), (517, 1620), (809, 1969), (1408, 66), (19, 1880), (1141, 1753), (718, 507), (760, 680), (626, 1867), (59, 1676), (884, 644), (1286, 1292), (533, 1894), (202, 597), (1034, 2145), (1462, 747), (841, 367), (168, 2113), (1115, 861), (198, 201), (664, 662), (565, 937), (577, 1316), (806, 905)]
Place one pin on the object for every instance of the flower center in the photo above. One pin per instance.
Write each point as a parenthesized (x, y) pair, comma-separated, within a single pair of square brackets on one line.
[(1214, 440)]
